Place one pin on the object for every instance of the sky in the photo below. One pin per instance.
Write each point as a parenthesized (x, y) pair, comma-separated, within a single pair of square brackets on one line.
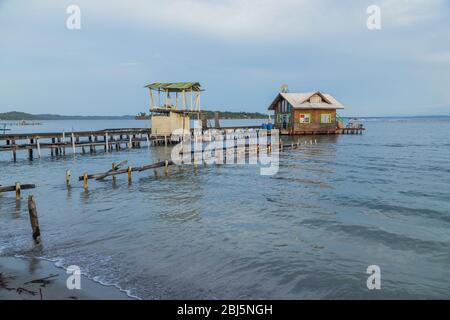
[(241, 51)]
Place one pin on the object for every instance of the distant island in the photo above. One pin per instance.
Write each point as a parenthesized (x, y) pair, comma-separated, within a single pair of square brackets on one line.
[(18, 116), (222, 115)]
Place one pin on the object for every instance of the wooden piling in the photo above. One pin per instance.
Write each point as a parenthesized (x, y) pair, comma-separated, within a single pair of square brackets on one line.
[(129, 174), (90, 144), (14, 151), (113, 168), (18, 191), (73, 143), (86, 181), (34, 219), (64, 141), (106, 142), (68, 178), (30, 151), (38, 147)]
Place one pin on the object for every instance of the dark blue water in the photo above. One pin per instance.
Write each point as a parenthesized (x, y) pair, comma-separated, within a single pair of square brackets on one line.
[(310, 231)]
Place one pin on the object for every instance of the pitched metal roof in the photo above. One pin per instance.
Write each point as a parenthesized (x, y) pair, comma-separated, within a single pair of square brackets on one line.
[(175, 86), (300, 101)]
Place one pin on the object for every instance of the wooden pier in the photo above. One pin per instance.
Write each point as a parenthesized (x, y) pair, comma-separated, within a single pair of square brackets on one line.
[(86, 141), (350, 130), (112, 139), (89, 141)]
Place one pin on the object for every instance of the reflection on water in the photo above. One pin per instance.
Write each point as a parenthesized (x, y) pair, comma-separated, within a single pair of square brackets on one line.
[(224, 231)]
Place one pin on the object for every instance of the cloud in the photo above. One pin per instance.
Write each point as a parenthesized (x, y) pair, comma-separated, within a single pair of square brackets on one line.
[(437, 57), (258, 44), (225, 19), (261, 19), (413, 12), (129, 64)]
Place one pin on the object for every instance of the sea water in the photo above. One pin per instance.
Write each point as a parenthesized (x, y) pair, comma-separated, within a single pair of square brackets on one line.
[(225, 231)]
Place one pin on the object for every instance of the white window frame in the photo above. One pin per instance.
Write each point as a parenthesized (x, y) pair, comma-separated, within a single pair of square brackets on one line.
[(307, 115), (326, 116)]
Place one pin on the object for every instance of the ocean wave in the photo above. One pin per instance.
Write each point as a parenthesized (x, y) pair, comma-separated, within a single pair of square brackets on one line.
[(59, 263)]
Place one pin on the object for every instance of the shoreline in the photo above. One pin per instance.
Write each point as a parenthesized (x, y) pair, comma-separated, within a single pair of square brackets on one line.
[(38, 279)]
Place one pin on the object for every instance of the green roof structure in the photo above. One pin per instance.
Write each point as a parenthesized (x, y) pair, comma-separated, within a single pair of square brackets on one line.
[(175, 86)]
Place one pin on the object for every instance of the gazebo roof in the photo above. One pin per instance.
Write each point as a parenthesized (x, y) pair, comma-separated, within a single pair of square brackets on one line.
[(175, 86)]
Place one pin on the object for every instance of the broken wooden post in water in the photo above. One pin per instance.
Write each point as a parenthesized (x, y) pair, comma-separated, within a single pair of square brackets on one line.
[(34, 219), (129, 174), (113, 168), (17, 191), (86, 181), (68, 178)]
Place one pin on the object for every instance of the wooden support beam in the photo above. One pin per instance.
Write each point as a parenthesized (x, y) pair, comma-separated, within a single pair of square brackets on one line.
[(14, 188), (114, 168), (109, 173)]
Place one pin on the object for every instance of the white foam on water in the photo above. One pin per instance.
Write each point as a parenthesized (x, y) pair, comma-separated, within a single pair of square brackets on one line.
[(59, 263)]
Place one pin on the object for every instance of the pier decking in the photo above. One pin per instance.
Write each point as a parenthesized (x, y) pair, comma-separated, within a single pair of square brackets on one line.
[(109, 139), (350, 130), (58, 142)]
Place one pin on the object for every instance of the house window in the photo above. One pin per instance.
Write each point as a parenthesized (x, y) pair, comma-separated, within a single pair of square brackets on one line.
[(305, 118), (279, 118), (315, 99), (325, 118)]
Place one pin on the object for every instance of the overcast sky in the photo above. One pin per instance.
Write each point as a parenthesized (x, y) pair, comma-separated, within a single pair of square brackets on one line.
[(240, 51)]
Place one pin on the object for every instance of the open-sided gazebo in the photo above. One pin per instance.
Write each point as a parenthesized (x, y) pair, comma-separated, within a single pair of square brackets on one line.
[(172, 111)]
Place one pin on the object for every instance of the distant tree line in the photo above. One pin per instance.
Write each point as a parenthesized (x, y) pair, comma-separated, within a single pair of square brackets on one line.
[(222, 115), (17, 116)]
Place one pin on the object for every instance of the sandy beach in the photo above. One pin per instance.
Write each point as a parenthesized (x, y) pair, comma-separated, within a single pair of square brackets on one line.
[(34, 279)]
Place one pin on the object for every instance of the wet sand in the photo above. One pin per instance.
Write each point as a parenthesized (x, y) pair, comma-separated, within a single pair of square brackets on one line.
[(34, 279)]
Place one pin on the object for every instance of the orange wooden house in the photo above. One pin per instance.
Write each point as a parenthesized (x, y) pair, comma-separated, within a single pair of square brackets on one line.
[(306, 113)]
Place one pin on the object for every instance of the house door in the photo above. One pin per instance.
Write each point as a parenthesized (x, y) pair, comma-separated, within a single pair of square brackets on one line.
[(285, 122)]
